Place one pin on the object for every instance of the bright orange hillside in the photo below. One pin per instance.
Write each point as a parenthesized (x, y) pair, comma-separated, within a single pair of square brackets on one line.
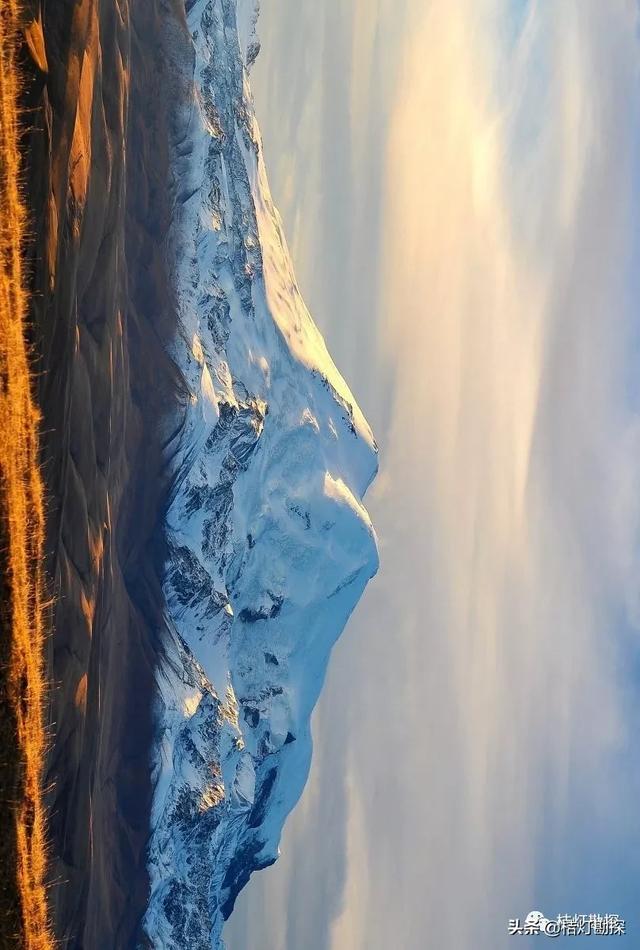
[(23, 914)]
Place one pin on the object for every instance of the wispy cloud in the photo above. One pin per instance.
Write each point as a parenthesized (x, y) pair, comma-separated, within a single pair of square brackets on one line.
[(485, 696)]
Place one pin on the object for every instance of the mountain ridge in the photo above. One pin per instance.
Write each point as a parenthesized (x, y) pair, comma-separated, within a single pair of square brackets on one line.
[(270, 546)]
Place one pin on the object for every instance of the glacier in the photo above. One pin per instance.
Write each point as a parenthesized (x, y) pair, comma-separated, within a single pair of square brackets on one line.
[(269, 544)]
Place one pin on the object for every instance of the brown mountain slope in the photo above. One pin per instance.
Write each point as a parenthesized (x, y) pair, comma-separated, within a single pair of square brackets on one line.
[(102, 308)]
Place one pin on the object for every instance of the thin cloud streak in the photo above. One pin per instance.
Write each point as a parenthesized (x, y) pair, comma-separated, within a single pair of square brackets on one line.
[(483, 698)]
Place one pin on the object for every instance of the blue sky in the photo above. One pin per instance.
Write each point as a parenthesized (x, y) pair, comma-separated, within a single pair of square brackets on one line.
[(458, 182)]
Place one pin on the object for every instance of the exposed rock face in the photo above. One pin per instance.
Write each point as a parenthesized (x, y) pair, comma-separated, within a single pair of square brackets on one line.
[(269, 545)]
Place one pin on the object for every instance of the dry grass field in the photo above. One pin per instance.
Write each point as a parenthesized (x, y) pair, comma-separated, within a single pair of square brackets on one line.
[(23, 908)]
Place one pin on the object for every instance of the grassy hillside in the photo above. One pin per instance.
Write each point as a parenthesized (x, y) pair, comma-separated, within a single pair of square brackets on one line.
[(23, 915)]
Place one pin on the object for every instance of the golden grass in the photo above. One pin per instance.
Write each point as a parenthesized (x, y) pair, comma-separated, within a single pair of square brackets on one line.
[(21, 539)]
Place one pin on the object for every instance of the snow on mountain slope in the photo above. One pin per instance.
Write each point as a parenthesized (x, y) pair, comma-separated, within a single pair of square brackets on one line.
[(270, 545)]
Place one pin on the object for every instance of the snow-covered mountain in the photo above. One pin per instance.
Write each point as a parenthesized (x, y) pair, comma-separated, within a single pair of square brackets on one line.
[(270, 546)]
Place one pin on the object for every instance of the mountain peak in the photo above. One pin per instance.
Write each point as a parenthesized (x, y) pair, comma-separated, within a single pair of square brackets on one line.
[(270, 546)]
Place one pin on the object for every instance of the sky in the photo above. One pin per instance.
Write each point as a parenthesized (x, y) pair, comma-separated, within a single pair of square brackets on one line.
[(458, 183)]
